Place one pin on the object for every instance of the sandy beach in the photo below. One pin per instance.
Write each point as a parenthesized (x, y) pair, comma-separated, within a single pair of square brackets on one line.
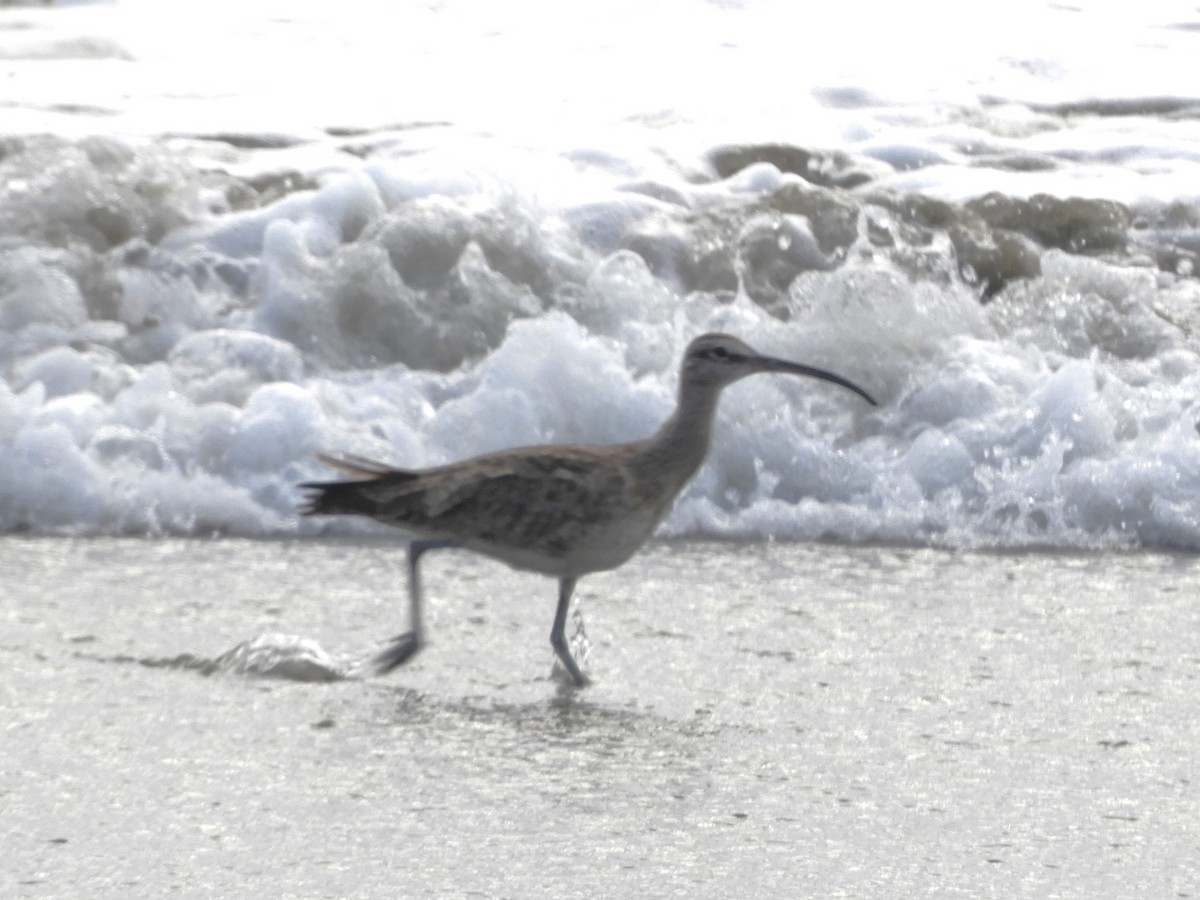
[(764, 720)]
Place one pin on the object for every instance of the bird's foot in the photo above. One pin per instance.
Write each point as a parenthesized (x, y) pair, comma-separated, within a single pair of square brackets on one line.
[(571, 655), (402, 648), (569, 676)]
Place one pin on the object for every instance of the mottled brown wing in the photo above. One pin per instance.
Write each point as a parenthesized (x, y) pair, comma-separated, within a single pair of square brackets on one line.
[(534, 500)]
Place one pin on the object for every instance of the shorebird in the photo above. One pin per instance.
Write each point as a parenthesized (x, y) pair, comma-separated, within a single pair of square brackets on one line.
[(563, 510)]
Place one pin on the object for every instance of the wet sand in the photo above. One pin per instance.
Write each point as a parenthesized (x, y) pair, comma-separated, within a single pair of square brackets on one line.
[(764, 720)]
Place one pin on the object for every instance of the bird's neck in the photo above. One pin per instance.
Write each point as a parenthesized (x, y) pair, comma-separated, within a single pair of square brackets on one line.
[(679, 447)]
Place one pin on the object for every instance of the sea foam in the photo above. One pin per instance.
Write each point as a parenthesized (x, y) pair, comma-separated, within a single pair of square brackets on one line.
[(183, 382)]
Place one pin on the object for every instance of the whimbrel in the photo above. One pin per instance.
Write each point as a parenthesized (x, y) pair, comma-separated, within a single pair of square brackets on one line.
[(563, 510)]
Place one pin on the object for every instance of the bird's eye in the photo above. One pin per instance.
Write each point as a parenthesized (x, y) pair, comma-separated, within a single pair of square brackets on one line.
[(719, 353)]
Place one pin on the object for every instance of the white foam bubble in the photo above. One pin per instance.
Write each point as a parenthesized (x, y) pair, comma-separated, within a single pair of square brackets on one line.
[(36, 291), (275, 655), (227, 366)]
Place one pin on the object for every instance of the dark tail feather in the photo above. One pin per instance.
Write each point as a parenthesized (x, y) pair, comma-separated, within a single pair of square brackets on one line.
[(332, 498), (374, 485)]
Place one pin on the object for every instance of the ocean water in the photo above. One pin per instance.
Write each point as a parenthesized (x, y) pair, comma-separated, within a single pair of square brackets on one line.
[(349, 235), (234, 236)]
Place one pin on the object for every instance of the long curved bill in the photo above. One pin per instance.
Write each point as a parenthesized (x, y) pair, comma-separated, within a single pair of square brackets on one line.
[(771, 364)]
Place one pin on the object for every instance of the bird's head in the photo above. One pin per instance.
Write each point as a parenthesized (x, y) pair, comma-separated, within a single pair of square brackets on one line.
[(715, 360)]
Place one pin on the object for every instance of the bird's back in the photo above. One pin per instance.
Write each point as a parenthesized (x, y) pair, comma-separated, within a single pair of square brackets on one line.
[(561, 510)]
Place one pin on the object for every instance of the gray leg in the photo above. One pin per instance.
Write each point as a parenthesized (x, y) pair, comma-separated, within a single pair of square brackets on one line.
[(558, 637), (404, 646)]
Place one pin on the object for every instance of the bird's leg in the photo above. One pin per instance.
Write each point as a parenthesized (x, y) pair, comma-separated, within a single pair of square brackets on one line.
[(558, 637), (404, 646)]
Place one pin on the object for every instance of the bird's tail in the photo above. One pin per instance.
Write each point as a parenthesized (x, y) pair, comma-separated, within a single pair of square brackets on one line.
[(357, 466), (331, 498)]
